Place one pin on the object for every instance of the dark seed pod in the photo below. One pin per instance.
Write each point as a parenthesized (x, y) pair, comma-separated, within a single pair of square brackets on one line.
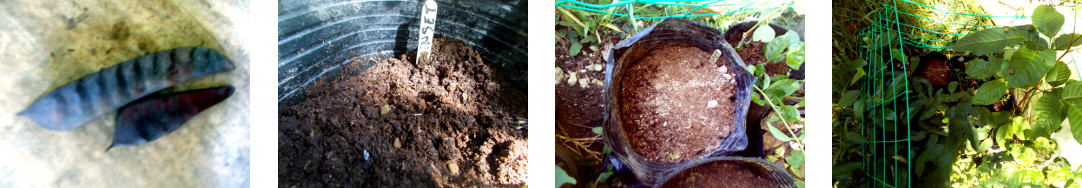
[(82, 100), (154, 116)]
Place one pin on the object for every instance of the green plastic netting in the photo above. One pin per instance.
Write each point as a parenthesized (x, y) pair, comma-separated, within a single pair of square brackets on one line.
[(897, 27), (629, 8)]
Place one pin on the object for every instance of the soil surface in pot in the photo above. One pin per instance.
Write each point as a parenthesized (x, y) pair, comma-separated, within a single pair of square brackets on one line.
[(452, 121), (936, 69), (675, 104), (752, 54), (722, 174)]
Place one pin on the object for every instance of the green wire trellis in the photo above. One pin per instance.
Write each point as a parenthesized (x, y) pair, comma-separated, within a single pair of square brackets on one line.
[(630, 10), (886, 84)]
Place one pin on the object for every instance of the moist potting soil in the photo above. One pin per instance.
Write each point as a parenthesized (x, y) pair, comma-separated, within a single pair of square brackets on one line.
[(450, 121)]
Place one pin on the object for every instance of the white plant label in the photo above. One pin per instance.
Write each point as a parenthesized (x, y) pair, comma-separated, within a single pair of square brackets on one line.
[(428, 28)]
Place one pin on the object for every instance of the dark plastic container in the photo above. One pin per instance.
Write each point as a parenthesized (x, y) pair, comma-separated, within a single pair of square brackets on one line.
[(667, 33), (316, 37), (756, 167), (740, 28)]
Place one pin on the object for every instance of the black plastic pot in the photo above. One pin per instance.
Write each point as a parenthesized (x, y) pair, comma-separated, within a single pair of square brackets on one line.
[(740, 28), (670, 32), (317, 37), (758, 167)]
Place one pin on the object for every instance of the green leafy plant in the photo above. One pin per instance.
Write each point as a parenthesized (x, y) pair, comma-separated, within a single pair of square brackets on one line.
[(991, 127), (589, 31), (773, 95), (1022, 59)]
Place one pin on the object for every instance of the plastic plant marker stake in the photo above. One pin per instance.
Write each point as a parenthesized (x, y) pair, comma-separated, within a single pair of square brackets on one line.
[(428, 27)]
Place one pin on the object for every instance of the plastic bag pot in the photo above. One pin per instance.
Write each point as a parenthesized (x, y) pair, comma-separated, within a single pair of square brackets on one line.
[(740, 28), (747, 167), (317, 37), (670, 32)]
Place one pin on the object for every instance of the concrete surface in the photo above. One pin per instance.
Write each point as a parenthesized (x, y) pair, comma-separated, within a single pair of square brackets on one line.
[(47, 43)]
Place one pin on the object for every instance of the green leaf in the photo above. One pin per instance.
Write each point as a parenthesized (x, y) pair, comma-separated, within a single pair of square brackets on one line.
[(990, 92), (778, 134), (576, 47), (603, 176), (796, 159), (791, 37), (1047, 20), (790, 113), (795, 56), (987, 143), (562, 177), (773, 49), (1048, 111), (860, 73), (1029, 67), (845, 169), (848, 98), (1033, 38), (782, 88), (596, 130), (987, 41), (855, 138), (952, 86), (757, 99), (763, 34), (858, 109), (1058, 75), (1066, 41), (1072, 99), (971, 134), (897, 54), (981, 69)]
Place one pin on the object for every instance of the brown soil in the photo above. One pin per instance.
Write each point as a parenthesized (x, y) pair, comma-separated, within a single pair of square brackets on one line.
[(752, 54), (721, 174), (579, 109), (447, 122), (936, 71), (676, 105)]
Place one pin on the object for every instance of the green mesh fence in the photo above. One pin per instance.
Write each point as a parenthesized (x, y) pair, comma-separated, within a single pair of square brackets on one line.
[(896, 27), (630, 8)]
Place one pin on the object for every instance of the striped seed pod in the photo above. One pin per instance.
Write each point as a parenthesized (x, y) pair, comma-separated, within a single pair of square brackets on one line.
[(82, 100)]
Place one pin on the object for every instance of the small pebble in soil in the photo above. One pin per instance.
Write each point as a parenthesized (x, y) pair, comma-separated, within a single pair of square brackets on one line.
[(559, 75), (397, 143), (453, 167), (594, 67), (572, 79)]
